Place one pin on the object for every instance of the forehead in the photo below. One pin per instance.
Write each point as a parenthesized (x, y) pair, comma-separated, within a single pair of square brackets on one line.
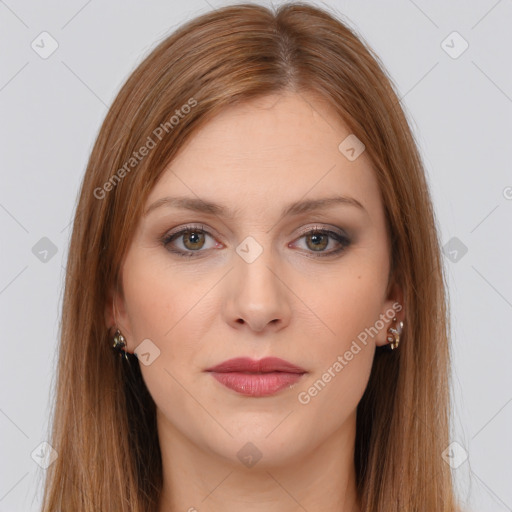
[(273, 149)]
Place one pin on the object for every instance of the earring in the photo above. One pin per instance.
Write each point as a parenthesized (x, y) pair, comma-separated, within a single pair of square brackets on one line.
[(394, 336), (119, 344)]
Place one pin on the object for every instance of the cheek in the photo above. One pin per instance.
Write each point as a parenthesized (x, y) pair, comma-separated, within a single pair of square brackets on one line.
[(163, 305), (159, 298), (147, 306), (174, 310), (346, 303), (347, 307), (343, 353)]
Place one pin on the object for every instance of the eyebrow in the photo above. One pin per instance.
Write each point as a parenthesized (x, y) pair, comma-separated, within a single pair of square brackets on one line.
[(295, 208)]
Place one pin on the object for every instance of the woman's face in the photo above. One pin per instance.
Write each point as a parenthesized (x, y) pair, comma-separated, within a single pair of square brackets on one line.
[(251, 278)]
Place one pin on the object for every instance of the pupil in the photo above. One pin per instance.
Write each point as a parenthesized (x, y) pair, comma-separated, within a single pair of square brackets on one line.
[(317, 240), (193, 238)]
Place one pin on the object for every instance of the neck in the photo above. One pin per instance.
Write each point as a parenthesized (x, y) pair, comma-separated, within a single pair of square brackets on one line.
[(321, 478)]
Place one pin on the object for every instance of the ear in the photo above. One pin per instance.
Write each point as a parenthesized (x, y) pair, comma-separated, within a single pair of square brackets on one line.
[(393, 307), (115, 311), (115, 314)]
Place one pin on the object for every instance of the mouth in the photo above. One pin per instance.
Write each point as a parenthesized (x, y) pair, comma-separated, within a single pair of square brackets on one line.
[(257, 378)]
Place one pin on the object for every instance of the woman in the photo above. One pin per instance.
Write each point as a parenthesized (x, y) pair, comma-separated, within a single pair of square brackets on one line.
[(255, 239)]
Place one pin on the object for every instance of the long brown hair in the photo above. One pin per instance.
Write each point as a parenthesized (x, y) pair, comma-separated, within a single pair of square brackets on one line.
[(104, 426)]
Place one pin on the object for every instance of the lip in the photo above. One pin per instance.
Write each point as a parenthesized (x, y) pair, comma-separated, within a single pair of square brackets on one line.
[(257, 378), (248, 365)]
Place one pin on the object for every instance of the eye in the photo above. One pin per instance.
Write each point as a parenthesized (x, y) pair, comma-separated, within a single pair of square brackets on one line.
[(191, 238), (317, 240)]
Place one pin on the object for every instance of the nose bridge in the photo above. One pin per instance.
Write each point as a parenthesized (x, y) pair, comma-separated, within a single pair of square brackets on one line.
[(259, 296), (254, 262)]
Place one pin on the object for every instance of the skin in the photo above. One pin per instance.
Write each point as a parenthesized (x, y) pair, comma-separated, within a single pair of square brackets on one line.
[(289, 302)]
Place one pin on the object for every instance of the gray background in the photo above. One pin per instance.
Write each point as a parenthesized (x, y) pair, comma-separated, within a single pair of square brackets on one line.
[(460, 110)]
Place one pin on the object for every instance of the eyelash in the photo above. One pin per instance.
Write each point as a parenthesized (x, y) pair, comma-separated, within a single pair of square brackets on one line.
[(168, 238)]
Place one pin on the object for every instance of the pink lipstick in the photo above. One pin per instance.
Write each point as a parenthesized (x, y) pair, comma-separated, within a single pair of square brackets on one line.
[(256, 378)]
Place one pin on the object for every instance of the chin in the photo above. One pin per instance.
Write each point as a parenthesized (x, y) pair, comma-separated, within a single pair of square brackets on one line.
[(262, 445)]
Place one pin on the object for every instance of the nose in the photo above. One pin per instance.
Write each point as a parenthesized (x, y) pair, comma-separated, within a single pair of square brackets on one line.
[(258, 297)]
